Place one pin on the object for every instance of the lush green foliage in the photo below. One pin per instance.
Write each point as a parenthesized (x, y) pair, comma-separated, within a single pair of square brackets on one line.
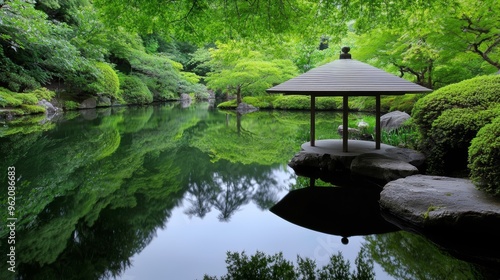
[(405, 137), (107, 83), (449, 118), (23, 103), (450, 136), (484, 157), (479, 93), (263, 267), (43, 93), (419, 49), (134, 91), (70, 105), (246, 72)]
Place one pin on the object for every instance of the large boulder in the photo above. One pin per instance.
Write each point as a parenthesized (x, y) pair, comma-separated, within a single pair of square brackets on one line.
[(428, 201), (410, 156), (449, 211), (103, 101), (89, 103), (50, 109), (393, 120), (381, 168), (244, 108)]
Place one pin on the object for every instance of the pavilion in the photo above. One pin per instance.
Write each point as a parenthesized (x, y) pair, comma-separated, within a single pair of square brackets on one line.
[(347, 77)]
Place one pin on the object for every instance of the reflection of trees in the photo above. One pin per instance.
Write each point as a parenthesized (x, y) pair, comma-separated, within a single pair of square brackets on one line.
[(234, 192), (262, 266), (200, 196), (408, 256), (227, 186)]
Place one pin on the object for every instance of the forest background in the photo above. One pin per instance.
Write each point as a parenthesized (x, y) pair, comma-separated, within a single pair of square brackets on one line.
[(138, 52)]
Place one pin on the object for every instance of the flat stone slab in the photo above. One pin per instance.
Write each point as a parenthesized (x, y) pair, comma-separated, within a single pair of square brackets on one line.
[(381, 167), (449, 211), (428, 201)]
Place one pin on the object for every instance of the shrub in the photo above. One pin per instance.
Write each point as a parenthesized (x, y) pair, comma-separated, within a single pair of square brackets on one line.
[(300, 102), (71, 105), (231, 104), (107, 83), (158, 73), (43, 93), (403, 103), (7, 98), (26, 98), (484, 158), (260, 102), (479, 92), (32, 109), (450, 136), (13, 99), (134, 91), (328, 103)]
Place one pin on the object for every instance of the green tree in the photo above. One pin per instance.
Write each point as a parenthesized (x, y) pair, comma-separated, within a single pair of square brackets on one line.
[(250, 76)]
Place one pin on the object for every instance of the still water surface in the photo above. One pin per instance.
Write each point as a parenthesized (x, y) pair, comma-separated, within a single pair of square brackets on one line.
[(163, 192)]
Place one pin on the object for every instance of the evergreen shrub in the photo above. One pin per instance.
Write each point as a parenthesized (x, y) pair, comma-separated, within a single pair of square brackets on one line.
[(450, 136), (298, 102), (27, 98), (260, 102), (484, 158), (43, 93), (107, 83), (134, 91), (71, 105), (479, 92), (32, 109), (7, 98)]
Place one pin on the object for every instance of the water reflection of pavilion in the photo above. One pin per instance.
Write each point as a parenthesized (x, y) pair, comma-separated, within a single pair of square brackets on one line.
[(343, 211)]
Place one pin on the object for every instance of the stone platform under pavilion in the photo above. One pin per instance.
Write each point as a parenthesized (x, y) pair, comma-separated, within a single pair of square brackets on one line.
[(327, 160)]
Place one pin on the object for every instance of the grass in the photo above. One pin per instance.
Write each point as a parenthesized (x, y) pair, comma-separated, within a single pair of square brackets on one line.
[(404, 137)]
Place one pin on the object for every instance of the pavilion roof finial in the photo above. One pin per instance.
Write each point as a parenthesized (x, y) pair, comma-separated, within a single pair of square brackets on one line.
[(345, 53)]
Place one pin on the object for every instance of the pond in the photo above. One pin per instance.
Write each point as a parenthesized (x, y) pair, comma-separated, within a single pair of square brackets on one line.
[(164, 192)]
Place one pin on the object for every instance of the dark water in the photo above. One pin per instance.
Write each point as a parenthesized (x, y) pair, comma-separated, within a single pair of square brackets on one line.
[(163, 192)]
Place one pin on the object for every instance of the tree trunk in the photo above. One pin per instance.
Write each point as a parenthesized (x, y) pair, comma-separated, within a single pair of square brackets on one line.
[(238, 95)]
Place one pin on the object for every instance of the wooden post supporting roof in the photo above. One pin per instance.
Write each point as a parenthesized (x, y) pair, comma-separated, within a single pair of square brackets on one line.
[(378, 130), (345, 123), (313, 119)]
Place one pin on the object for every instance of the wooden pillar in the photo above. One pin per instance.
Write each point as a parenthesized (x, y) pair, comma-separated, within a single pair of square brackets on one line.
[(313, 119), (345, 125), (378, 135)]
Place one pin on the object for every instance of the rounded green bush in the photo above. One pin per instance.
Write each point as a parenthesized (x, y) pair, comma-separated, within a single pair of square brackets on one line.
[(450, 137), (107, 83), (484, 158), (134, 91), (479, 92)]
